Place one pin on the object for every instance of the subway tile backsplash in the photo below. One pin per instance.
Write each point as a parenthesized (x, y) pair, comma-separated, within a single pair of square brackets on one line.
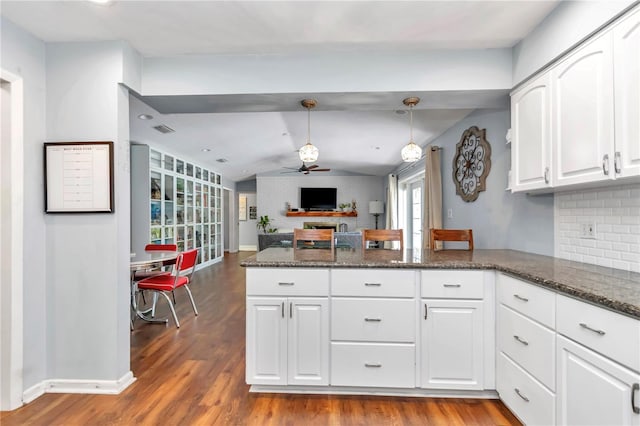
[(615, 214)]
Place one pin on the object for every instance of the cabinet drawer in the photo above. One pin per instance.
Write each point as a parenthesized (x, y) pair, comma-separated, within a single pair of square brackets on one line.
[(373, 282), (287, 282), (373, 320), (528, 399), (613, 335), (454, 284), (529, 344), (375, 365), (528, 299)]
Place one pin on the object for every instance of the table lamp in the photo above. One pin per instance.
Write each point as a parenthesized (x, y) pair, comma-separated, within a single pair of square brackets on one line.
[(376, 208)]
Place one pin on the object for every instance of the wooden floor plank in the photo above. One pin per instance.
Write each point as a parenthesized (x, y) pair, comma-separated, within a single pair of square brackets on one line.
[(194, 375)]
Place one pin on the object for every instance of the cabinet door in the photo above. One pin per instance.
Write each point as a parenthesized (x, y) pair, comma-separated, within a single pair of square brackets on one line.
[(531, 133), (452, 344), (582, 122), (266, 354), (593, 390), (308, 341), (626, 65)]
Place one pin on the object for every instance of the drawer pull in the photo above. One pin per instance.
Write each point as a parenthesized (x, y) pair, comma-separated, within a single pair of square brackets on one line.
[(585, 326), (283, 283), (452, 285), (373, 284), (521, 395), (373, 319), (519, 339), (517, 296), (634, 389), (371, 365)]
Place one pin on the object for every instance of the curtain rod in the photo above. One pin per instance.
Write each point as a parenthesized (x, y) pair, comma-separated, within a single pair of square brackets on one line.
[(412, 165)]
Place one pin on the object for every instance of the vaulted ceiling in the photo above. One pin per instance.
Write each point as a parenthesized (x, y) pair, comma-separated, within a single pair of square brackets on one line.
[(258, 134)]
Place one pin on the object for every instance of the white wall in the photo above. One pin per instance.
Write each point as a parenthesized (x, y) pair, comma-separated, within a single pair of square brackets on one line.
[(329, 72), (275, 192), (87, 255), (565, 27), (499, 219), (24, 55), (615, 212)]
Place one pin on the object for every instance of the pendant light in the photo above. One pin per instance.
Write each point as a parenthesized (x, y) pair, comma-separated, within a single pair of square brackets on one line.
[(411, 152), (308, 153)]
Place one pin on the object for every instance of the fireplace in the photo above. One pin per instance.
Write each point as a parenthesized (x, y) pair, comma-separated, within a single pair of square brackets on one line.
[(321, 225)]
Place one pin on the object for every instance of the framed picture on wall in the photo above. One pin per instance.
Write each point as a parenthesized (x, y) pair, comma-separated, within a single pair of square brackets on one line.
[(253, 212), (78, 177), (242, 207)]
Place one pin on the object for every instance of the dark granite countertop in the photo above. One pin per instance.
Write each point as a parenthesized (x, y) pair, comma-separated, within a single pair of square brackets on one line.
[(610, 288)]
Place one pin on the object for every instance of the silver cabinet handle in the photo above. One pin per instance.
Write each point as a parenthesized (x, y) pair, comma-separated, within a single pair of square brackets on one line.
[(605, 164), (524, 299), (616, 162), (372, 365), (282, 309), (373, 319), (585, 326), (452, 285), (521, 395), (519, 339), (373, 284), (546, 175), (635, 388), (425, 311), (290, 309), (283, 283)]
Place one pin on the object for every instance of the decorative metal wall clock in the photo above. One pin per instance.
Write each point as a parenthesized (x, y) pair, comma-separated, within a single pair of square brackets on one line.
[(471, 163)]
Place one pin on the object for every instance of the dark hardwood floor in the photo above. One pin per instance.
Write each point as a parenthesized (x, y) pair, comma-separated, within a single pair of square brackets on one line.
[(195, 376)]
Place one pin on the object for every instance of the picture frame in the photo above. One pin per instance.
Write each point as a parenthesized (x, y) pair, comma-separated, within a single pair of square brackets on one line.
[(253, 212), (78, 177)]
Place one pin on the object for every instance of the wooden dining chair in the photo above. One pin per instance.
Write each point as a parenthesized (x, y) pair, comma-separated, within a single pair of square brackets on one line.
[(181, 276), (310, 236), (382, 235), (450, 235)]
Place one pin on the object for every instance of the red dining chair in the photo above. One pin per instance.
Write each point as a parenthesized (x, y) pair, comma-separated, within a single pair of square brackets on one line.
[(142, 274), (180, 277)]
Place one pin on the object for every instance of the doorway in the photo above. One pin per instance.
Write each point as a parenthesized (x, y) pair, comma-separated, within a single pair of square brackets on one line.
[(411, 211)]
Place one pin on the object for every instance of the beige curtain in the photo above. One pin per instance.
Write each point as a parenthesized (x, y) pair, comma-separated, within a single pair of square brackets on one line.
[(391, 212), (432, 196)]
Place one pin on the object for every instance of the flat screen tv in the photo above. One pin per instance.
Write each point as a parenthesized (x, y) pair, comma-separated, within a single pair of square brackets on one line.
[(318, 198)]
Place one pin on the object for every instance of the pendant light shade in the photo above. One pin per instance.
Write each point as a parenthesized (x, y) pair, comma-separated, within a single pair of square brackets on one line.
[(411, 152), (308, 153)]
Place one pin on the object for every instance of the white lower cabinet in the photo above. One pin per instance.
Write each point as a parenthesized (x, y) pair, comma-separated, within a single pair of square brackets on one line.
[(593, 390), (287, 341), (452, 344)]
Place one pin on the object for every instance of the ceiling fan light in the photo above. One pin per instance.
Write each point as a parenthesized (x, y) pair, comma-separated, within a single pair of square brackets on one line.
[(308, 153), (411, 152)]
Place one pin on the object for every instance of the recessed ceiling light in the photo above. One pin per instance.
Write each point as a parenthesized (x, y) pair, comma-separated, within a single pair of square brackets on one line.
[(205, 150), (145, 117), (101, 2)]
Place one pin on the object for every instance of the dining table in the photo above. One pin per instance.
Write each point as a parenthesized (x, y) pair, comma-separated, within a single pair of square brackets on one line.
[(142, 261)]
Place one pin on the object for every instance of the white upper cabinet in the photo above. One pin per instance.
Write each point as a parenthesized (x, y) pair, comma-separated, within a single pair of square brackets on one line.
[(531, 136), (626, 48), (583, 134)]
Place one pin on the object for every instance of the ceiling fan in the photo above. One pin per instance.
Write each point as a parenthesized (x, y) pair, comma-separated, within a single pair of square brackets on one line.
[(306, 169)]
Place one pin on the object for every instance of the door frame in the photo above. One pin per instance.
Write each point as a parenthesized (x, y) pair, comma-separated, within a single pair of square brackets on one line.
[(11, 308)]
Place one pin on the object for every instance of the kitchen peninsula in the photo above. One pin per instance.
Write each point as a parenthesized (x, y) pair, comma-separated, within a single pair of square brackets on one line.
[(526, 328)]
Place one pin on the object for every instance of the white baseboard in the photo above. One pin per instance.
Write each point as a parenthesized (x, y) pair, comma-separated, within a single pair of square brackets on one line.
[(248, 248), (352, 390), (106, 387)]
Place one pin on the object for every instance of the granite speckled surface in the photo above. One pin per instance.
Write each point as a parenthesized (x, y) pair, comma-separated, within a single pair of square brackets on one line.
[(610, 288)]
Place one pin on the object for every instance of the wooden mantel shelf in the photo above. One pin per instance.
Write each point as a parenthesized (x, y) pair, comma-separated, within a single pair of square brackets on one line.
[(323, 214)]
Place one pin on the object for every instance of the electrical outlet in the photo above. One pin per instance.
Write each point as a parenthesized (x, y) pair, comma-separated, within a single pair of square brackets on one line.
[(450, 213), (588, 230)]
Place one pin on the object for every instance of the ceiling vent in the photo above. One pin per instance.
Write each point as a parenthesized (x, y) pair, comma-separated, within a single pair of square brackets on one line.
[(164, 129), (222, 160)]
